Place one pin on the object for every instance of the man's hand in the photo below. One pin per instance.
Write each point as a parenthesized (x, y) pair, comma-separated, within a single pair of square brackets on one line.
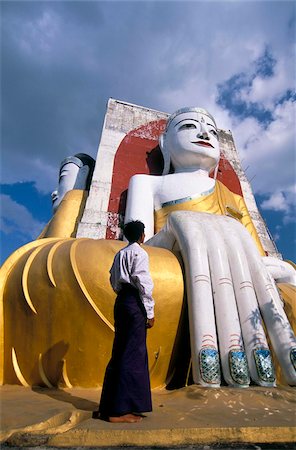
[(150, 323)]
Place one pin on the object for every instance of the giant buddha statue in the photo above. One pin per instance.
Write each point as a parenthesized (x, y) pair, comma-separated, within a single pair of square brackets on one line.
[(204, 252), (229, 281)]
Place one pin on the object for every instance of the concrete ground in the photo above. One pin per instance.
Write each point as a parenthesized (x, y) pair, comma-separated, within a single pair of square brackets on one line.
[(191, 417), (276, 446)]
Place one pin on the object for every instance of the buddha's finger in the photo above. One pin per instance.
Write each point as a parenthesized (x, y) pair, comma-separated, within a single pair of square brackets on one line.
[(258, 353), (193, 245), (231, 347), (279, 329)]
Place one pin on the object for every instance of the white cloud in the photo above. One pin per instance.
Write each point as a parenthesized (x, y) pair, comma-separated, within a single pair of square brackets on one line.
[(283, 203), (245, 133), (267, 90), (270, 152), (276, 202), (15, 218)]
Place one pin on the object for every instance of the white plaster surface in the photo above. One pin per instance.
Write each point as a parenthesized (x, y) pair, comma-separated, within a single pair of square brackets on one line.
[(120, 119)]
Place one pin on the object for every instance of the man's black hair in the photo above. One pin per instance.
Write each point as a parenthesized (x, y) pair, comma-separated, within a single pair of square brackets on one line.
[(133, 230)]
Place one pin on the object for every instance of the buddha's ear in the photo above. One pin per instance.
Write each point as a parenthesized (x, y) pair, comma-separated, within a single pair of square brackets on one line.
[(81, 180), (161, 141), (165, 154)]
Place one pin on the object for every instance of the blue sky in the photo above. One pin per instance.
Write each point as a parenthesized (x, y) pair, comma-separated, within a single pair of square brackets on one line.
[(61, 61)]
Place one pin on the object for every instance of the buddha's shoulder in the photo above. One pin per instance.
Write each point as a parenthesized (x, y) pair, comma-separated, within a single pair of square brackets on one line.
[(144, 180)]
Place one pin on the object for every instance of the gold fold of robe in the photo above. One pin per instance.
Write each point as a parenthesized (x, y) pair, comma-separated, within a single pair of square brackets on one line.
[(57, 313)]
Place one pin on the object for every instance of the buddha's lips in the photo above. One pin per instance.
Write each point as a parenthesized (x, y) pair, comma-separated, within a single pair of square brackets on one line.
[(203, 143)]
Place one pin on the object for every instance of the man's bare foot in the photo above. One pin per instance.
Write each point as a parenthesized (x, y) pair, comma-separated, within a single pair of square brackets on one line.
[(126, 418)]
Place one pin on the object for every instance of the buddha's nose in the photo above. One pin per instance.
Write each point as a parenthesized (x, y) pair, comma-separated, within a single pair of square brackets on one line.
[(203, 133)]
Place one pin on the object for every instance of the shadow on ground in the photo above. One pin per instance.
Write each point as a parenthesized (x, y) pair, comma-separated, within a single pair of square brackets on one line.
[(63, 396)]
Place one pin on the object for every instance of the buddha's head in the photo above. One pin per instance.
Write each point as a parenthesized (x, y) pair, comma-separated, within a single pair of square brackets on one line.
[(190, 141), (75, 173)]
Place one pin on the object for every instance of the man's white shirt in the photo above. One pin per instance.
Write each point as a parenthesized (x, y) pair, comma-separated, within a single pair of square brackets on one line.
[(131, 265)]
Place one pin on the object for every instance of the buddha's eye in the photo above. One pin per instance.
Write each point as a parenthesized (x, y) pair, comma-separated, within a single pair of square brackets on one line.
[(187, 125), (214, 133)]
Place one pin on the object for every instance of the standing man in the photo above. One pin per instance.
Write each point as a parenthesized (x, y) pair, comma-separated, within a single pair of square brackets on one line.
[(126, 389)]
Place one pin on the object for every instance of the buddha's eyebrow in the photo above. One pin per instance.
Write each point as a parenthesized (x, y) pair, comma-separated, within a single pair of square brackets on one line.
[(184, 120)]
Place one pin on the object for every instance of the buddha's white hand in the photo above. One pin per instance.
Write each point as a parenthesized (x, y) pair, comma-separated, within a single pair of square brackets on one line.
[(229, 290)]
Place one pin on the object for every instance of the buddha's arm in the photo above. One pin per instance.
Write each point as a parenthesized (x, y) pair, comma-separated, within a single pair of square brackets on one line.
[(140, 204)]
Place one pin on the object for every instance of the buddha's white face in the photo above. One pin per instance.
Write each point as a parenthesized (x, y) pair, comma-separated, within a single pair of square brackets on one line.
[(192, 142), (67, 179), (71, 177)]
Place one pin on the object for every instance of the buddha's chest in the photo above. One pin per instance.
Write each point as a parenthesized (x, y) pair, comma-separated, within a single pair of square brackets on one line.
[(177, 186)]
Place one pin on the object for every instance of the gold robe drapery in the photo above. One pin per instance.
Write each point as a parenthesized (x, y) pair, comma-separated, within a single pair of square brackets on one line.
[(220, 201)]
